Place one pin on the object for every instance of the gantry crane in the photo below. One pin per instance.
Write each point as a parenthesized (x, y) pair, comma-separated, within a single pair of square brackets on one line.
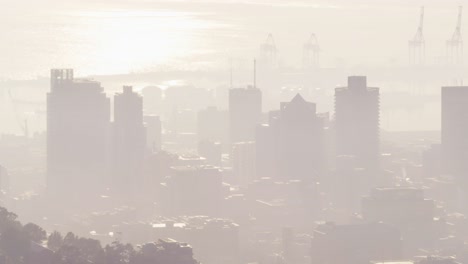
[(455, 43), (311, 52), (268, 52), (417, 45)]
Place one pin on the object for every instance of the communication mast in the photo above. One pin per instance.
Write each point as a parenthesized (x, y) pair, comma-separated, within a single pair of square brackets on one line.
[(417, 46), (311, 52)]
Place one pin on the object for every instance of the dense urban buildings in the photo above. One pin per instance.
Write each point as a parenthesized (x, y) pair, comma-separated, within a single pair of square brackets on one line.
[(299, 188), (182, 167), (194, 190)]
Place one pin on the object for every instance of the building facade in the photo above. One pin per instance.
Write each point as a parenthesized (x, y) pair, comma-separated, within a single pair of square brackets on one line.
[(78, 121)]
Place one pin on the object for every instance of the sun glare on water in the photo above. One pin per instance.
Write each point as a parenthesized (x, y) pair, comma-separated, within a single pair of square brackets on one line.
[(120, 41)]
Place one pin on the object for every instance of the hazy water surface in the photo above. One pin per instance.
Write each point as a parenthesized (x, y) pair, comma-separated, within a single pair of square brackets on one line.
[(114, 37)]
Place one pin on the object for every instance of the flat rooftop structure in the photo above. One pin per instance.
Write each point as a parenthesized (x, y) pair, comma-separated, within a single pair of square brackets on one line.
[(455, 89), (357, 84)]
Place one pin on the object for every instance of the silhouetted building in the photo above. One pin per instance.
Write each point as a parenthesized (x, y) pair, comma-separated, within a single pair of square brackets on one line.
[(295, 142), (454, 140), (243, 163), (357, 122), (153, 133), (347, 185), (245, 112), (78, 120), (128, 146), (407, 210), (301, 153)]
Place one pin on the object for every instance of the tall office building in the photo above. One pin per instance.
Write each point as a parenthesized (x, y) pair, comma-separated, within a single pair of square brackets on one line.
[(357, 122), (292, 143), (454, 141), (300, 140), (128, 145), (78, 119), (245, 112), (153, 133), (243, 163)]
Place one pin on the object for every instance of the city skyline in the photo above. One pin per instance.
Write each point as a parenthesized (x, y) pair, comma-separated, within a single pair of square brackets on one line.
[(234, 132)]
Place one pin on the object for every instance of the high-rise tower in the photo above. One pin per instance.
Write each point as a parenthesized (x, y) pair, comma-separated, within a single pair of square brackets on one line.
[(128, 145), (291, 146), (357, 122), (78, 118), (454, 140)]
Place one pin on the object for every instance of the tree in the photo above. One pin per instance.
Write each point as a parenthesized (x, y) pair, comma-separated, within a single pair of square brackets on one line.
[(167, 252), (14, 243), (117, 253), (55, 241), (34, 233), (91, 249), (69, 239), (68, 254), (8, 219)]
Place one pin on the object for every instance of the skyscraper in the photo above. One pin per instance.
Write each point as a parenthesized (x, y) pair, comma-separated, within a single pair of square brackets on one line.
[(153, 132), (128, 145), (300, 140), (454, 141), (245, 112), (296, 142), (243, 163), (78, 118), (357, 122)]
